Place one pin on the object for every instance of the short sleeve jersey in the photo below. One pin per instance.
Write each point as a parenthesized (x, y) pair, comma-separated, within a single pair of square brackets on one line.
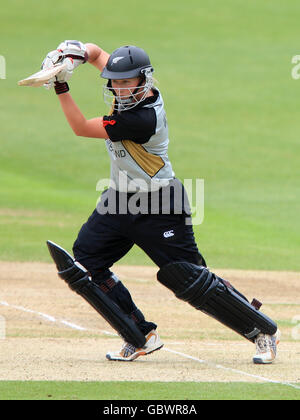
[(138, 146)]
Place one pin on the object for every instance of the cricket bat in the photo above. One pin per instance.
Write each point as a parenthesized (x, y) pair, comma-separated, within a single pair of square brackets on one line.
[(41, 77)]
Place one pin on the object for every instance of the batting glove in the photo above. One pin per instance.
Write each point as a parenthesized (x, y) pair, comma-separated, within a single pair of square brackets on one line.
[(71, 53), (75, 50), (53, 58)]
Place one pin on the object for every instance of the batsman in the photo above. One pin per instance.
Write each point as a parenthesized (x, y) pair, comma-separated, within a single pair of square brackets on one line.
[(135, 131)]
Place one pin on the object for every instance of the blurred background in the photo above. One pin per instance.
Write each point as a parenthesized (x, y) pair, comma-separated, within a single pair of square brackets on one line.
[(224, 69)]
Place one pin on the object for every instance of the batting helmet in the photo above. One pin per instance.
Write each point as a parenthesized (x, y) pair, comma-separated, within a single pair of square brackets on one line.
[(126, 63)]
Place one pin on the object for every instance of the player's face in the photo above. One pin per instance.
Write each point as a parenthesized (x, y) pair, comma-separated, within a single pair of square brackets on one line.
[(125, 87)]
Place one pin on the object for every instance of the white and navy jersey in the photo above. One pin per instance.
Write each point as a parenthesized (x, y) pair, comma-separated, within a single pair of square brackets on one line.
[(138, 146)]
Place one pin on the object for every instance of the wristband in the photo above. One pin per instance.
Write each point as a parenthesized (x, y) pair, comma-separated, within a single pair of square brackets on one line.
[(61, 87)]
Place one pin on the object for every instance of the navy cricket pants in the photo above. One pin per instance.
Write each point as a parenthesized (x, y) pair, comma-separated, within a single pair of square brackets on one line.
[(105, 238)]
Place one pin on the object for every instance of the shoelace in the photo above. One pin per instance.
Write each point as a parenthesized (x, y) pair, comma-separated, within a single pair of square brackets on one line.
[(262, 344), (273, 344), (127, 349)]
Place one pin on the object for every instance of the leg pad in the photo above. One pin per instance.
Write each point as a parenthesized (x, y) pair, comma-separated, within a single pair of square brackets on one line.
[(216, 297), (78, 280)]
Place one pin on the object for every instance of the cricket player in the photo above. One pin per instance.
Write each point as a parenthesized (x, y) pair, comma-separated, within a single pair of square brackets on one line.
[(145, 205)]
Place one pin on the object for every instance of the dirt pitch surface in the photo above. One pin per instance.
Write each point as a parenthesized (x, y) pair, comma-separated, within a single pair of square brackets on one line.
[(51, 333)]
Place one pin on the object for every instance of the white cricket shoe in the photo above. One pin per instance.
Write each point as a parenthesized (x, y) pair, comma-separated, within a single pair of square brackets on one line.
[(128, 352), (266, 348)]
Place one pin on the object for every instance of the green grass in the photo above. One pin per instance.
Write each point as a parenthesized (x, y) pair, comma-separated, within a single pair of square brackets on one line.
[(11, 390), (224, 69)]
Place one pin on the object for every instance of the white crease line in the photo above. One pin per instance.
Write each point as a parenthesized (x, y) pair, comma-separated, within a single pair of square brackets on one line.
[(187, 356), (51, 318), (240, 372), (74, 326)]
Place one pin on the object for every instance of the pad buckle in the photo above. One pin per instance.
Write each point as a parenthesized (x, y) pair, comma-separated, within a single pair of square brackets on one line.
[(253, 333)]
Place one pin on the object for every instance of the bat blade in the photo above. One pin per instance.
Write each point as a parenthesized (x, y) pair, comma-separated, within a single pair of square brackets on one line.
[(42, 76)]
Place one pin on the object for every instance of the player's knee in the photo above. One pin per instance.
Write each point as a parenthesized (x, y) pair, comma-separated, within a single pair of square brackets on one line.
[(189, 282), (81, 254), (77, 251)]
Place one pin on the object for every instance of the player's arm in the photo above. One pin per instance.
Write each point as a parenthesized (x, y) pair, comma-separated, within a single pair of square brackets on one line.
[(92, 128), (96, 56), (75, 53)]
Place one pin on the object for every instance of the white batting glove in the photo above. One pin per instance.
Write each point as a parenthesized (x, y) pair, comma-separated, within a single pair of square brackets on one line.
[(73, 53), (53, 58), (75, 50)]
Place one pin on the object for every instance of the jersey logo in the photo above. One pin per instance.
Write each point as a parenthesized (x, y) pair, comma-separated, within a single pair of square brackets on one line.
[(169, 233), (109, 122), (116, 59)]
